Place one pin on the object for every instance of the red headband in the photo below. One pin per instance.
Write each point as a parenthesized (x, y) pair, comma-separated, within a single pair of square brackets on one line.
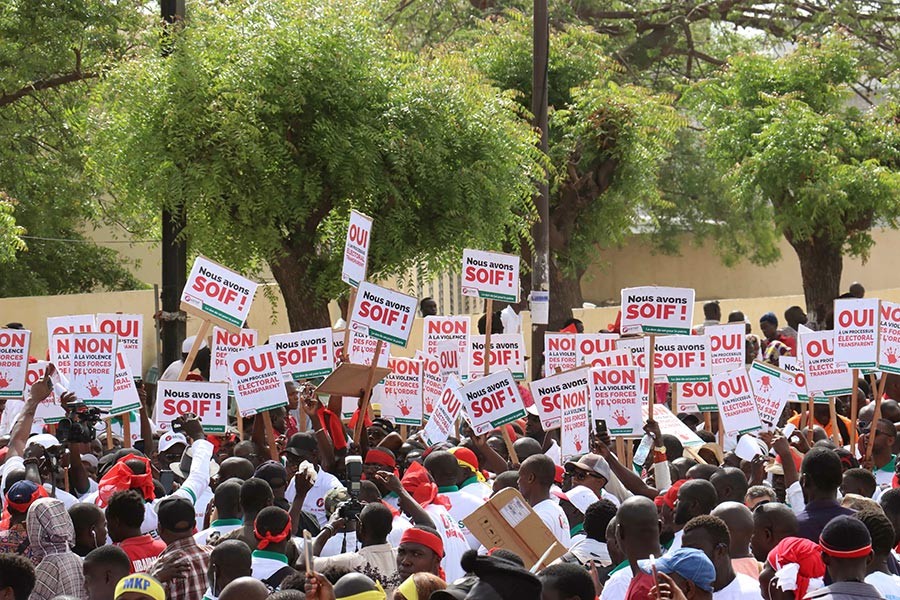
[(857, 553), (272, 538), (120, 478), (22, 507), (380, 457), (425, 538)]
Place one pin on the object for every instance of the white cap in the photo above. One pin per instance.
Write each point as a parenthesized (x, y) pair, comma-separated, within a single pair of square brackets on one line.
[(169, 439), (90, 459), (188, 342), (44, 439), (581, 497)]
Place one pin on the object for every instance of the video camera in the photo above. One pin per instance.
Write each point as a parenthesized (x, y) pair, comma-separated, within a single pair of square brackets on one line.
[(79, 424), (350, 509)]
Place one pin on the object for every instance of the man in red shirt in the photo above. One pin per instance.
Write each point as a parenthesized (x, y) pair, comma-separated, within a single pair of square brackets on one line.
[(124, 515)]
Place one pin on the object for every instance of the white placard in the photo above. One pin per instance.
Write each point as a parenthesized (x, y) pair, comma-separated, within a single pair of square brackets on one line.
[(304, 354), (824, 377), (493, 400), (682, 358), (727, 346), (575, 431), (356, 249), (224, 343), (559, 352), (130, 331), (737, 405), (490, 275), (402, 402), (256, 380), (616, 397), (889, 337), (507, 352), (209, 401), (383, 314), (662, 310), (552, 392), (58, 329), (14, 345), (217, 292), (93, 376), (440, 424), (771, 388), (856, 332), (125, 394)]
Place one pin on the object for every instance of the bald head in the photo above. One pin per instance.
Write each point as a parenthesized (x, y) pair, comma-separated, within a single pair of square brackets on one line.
[(229, 560), (638, 526), (696, 497), (739, 521), (730, 483), (772, 522), (526, 447), (236, 466), (352, 584), (443, 467), (245, 588), (541, 466)]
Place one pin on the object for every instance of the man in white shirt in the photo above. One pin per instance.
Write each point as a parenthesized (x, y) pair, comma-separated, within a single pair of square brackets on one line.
[(269, 562), (228, 509), (511, 319), (444, 470), (174, 369), (304, 447), (535, 480), (710, 535)]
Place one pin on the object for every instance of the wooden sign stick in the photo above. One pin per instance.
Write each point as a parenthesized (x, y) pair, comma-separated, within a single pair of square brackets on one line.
[(367, 394), (879, 390), (835, 433), (350, 303), (854, 408), (126, 430), (810, 419), (195, 347), (109, 436), (651, 389), (488, 323)]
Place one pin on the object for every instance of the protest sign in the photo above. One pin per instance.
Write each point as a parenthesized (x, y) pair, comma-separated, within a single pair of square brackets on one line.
[(224, 343), (207, 400), (451, 359), (652, 309), (445, 329), (440, 424), (490, 275), (588, 346), (402, 401), (362, 350), (613, 358), (493, 400), (125, 395), (551, 392), (130, 331), (616, 397), (856, 332), (726, 346), (14, 345), (682, 358), (696, 396), (575, 431), (256, 380), (507, 352), (824, 377), (889, 337), (304, 354), (356, 249), (794, 366), (383, 314), (217, 294), (737, 405), (58, 329), (49, 411), (337, 346), (93, 373), (559, 352), (639, 350), (671, 425), (771, 388), (432, 383)]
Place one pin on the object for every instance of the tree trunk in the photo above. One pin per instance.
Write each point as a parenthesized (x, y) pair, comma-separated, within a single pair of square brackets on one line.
[(821, 264), (305, 309), (565, 294)]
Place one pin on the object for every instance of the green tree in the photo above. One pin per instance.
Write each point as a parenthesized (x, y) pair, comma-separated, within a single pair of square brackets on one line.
[(607, 142), (50, 55), (270, 120), (10, 232), (798, 160)]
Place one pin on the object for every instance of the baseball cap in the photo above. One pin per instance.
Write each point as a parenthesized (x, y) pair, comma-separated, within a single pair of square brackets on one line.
[(44, 439), (300, 443), (188, 342), (593, 463), (532, 410), (90, 459), (581, 497), (140, 583), (22, 494), (176, 514), (689, 563), (169, 439)]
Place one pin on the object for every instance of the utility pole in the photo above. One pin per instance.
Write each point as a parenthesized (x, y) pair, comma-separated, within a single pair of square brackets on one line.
[(540, 231), (174, 249)]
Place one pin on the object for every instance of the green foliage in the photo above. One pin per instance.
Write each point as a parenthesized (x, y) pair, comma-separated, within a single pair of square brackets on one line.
[(798, 159), (270, 120), (10, 242), (50, 53)]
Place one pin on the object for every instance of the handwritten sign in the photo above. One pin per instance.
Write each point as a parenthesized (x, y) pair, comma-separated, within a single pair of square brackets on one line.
[(588, 346), (737, 404), (383, 314), (616, 397), (794, 366), (696, 396), (130, 331), (125, 395), (507, 352), (58, 330), (218, 294), (824, 377), (559, 352), (856, 332), (207, 400), (49, 411), (493, 400), (256, 380), (889, 337), (552, 392), (93, 376), (224, 343), (490, 275), (304, 354), (356, 249), (682, 358), (576, 428), (771, 388), (14, 345), (654, 309), (726, 346), (439, 426), (402, 402)]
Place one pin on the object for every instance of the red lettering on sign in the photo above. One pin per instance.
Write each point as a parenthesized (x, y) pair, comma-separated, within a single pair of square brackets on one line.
[(850, 318), (441, 326), (213, 289), (815, 348), (93, 345), (121, 328), (378, 313), (12, 340), (256, 364)]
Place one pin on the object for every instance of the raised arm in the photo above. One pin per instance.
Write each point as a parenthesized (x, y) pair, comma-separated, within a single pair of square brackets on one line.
[(408, 504)]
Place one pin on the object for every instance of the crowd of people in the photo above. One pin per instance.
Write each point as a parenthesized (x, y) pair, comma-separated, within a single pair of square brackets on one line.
[(179, 515)]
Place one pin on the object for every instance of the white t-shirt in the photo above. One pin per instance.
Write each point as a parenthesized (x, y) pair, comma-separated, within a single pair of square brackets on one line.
[(202, 504), (221, 527), (455, 543), (555, 519), (315, 499), (676, 542), (887, 584), (265, 564), (617, 585), (399, 525), (463, 504), (479, 489), (742, 588)]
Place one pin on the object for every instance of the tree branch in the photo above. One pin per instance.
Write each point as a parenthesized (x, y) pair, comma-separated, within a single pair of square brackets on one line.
[(45, 84)]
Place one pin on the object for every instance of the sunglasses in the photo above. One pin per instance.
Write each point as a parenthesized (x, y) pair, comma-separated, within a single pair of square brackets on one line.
[(582, 475)]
